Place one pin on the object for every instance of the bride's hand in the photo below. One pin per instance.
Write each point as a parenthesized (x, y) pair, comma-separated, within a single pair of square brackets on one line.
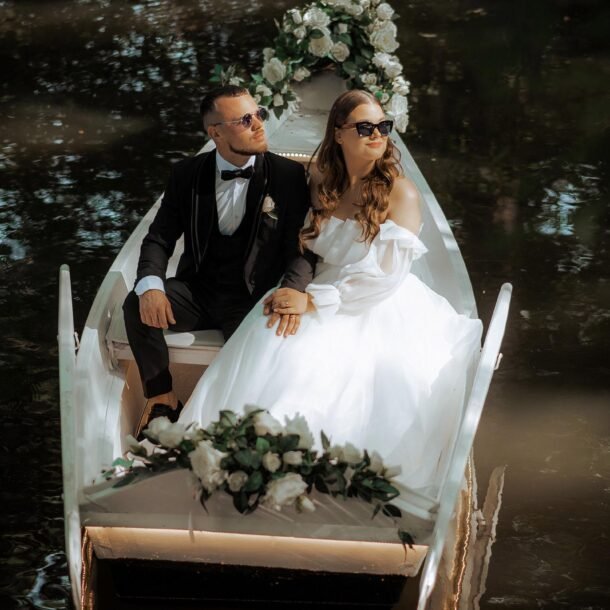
[(287, 301)]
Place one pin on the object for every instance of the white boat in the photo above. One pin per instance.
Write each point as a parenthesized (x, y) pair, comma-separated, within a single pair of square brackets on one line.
[(157, 519)]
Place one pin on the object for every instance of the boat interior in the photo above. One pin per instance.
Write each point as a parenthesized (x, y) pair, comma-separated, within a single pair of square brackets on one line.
[(102, 399)]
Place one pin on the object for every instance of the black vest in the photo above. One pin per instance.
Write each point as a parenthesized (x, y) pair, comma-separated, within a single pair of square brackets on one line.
[(222, 268)]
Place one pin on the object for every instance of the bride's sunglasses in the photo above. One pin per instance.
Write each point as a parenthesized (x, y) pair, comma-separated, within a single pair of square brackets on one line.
[(262, 114), (366, 128)]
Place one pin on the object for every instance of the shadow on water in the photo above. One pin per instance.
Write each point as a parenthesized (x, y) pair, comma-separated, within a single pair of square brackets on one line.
[(510, 126)]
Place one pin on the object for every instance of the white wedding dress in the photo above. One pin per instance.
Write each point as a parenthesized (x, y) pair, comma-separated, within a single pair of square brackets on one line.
[(383, 363)]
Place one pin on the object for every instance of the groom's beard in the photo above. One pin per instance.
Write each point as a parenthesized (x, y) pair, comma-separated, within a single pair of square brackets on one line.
[(247, 152)]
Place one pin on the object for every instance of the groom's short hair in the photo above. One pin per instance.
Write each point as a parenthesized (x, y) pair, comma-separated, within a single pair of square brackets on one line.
[(208, 103)]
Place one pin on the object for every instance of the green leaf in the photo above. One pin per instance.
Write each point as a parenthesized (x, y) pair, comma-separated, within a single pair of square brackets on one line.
[(315, 34), (345, 38), (321, 486), (350, 67), (228, 418), (254, 482), (391, 511), (377, 509), (262, 445), (325, 441), (406, 538), (244, 457), (240, 501), (122, 462), (289, 442)]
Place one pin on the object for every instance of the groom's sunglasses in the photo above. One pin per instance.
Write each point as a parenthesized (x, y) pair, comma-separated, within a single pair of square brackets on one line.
[(366, 128), (262, 114)]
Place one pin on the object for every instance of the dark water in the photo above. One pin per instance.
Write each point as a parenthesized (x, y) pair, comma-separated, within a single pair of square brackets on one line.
[(510, 124)]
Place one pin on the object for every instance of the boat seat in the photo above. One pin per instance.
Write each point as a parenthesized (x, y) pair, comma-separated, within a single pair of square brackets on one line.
[(196, 347)]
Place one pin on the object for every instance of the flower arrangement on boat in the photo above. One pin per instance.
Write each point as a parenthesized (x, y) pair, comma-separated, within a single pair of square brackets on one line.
[(357, 37), (260, 462)]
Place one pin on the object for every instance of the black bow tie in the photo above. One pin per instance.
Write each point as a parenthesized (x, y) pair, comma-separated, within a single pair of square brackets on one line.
[(245, 172)]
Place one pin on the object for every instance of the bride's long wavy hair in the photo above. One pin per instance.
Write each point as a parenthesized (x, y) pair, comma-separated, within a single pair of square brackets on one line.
[(376, 186)]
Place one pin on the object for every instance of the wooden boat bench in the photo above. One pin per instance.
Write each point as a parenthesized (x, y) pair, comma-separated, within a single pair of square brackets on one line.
[(196, 347)]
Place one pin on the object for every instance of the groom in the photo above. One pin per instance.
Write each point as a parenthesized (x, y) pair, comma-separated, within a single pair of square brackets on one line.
[(240, 209)]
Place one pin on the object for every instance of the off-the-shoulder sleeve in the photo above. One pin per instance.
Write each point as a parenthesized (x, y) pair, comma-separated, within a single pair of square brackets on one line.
[(372, 279)]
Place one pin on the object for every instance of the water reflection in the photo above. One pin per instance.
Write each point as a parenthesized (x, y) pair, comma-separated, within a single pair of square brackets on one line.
[(510, 126)]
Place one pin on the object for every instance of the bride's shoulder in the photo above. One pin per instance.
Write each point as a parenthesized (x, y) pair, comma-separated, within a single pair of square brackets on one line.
[(404, 204)]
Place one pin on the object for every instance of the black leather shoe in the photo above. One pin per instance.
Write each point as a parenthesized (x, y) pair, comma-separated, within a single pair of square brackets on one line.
[(158, 410)]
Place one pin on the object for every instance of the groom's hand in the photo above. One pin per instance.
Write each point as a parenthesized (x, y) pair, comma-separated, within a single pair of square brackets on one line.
[(156, 310)]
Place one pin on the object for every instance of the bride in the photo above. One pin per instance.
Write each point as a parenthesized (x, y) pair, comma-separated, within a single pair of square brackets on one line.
[(379, 359)]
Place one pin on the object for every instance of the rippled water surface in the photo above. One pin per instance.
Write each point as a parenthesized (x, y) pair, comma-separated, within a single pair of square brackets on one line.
[(510, 125)]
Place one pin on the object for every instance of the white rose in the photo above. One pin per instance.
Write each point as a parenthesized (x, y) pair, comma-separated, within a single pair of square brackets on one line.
[(394, 69), (205, 462), (274, 70), (268, 53), (278, 100), (235, 80), (401, 121), (298, 425), (397, 105), (304, 504), (335, 452), (271, 461), (354, 9), (299, 32), (400, 85), (284, 491), (315, 17), (384, 98), (301, 74), (369, 78), (342, 28), (296, 16), (293, 458), (384, 38), (385, 11), (376, 463), (340, 51), (264, 90), (351, 454), (265, 423), (237, 480), (392, 471), (381, 60), (172, 435), (156, 426), (132, 443), (320, 46)]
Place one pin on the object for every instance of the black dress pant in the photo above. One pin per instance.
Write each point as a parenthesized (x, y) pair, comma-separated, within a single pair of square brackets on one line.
[(222, 308)]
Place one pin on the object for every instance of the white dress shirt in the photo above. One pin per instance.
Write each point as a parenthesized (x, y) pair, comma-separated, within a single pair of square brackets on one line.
[(231, 207)]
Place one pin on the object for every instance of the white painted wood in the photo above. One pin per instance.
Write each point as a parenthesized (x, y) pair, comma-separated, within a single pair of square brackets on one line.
[(67, 363), (461, 451)]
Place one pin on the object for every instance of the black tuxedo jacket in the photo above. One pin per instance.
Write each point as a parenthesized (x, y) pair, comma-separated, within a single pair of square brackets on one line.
[(187, 208)]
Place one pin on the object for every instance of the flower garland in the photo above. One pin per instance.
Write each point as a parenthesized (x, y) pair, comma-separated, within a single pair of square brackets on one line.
[(259, 462), (358, 37)]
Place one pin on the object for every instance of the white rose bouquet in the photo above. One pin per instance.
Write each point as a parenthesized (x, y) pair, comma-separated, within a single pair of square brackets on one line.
[(355, 37), (260, 462)]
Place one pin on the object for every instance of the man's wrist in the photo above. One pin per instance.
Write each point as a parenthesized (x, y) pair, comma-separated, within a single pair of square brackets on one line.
[(149, 282)]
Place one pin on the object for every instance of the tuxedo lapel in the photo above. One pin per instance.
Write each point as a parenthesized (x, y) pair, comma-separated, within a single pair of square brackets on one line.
[(203, 205), (254, 198)]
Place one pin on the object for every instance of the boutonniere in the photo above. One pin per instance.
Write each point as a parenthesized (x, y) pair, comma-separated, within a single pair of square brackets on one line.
[(269, 207)]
